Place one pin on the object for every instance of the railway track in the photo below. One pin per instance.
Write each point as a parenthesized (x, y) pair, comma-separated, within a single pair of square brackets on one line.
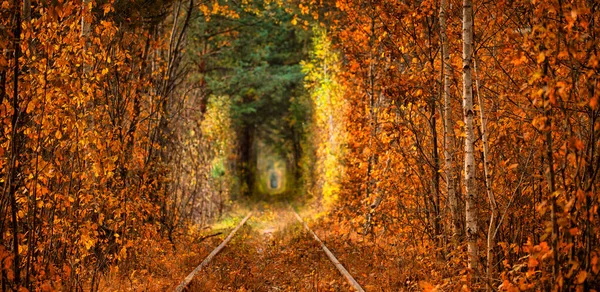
[(330, 256)]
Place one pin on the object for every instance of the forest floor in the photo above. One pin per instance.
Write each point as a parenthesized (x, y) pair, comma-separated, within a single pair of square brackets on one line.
[(273, 252)]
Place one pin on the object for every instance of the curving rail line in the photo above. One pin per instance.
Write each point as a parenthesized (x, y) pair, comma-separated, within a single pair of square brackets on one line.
[(189, 277), (331, 257)]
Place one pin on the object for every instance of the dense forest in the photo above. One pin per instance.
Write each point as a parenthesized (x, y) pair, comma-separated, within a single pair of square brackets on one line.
[(434, 145)]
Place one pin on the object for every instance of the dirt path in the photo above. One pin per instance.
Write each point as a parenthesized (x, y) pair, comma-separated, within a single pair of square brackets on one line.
[(272, 252)]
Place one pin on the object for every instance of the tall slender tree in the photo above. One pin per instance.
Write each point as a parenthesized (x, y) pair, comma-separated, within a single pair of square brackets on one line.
[(448, 125), (468, 113)]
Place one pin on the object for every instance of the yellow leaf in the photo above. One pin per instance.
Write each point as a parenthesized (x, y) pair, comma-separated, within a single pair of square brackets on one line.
[(366, 151), (89, 243), (581, 277), (541, 57), (30, 107)]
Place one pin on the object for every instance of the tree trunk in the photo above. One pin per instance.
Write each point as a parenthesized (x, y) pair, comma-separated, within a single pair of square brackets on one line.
[(248, 162), (85, 32), (551, 176), (436, 171), (27, 10), (469, 165), (14, 147), (372, 160), (491, 241), (448, 127)]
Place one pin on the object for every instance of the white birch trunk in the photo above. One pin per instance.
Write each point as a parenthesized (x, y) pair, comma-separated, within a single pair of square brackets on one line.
[(85, 27), (85, 33), (448, 126), (469, 166)]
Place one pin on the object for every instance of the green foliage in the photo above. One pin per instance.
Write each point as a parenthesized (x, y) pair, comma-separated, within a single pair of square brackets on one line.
[(218, 169), (251, 52)]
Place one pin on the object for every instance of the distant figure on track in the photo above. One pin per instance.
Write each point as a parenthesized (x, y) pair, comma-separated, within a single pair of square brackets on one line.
[(274, 181)]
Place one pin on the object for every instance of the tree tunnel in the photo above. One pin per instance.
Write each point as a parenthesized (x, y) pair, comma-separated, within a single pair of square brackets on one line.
[(259, 70)]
